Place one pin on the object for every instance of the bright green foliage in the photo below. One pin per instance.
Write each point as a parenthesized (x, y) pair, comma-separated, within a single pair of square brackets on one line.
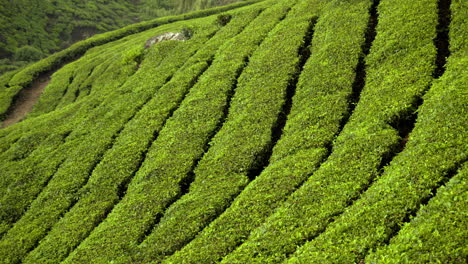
[(359, 150), (26, 186), (223, 170), (272, 134), (436, 147), (74, 172), (30, 29), (5, 91), (311, 117), (26, 75), (438, 233), (180, 142), (120, 162), (319, 106), (178, 145)]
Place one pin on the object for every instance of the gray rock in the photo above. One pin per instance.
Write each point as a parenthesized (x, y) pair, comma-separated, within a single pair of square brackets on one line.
[(163, 37)]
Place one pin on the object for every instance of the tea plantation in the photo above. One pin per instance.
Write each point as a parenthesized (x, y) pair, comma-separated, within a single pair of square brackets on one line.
[(298, 131)]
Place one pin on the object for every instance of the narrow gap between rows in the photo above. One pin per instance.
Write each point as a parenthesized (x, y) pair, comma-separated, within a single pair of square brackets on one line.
[(450, 173), (186, 185), (357, 87), (70, 81), (406, 125), (277, 130), (123, 187), (190, 177), (43, 185)]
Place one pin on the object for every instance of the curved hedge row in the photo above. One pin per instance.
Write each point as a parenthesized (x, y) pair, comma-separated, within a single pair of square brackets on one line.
[(179, 144), (224, 170), (25, 77), (120, 163), (311, 118), (64, 186), (364, 143), (437, 234), (297, 131), (436, 148)]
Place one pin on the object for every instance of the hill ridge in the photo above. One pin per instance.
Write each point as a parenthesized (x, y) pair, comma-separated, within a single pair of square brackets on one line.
[(303, 131)]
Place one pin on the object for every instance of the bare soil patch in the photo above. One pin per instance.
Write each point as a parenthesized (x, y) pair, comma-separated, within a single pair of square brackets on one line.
[(25, 101)]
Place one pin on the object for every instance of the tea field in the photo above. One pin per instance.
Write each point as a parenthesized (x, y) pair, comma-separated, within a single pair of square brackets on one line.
[(298, 131)]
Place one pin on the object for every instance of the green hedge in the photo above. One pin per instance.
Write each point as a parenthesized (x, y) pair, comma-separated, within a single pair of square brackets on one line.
[(178, 145), (120, 163), (435, 148), (26, 76), (69, 118), (62, 83), (101, 60), (106, 59), (223, 171), (366, 140), (101, 127), (316, 115), (5, 92), (31, 167), (438, 233), (26, 181), (64, 170), (104, 81)]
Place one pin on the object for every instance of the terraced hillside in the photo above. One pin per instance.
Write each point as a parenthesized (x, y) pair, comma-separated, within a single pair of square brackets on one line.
[(31, 30), (299, 131)]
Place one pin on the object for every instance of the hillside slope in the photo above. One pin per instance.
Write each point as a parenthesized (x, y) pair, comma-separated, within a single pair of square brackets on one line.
[(299, 131), (31, 29)]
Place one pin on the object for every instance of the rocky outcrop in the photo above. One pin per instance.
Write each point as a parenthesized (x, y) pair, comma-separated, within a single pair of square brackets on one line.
[(166, 36)]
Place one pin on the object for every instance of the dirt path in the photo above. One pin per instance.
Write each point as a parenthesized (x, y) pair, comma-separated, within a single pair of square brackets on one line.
[(25, 101)]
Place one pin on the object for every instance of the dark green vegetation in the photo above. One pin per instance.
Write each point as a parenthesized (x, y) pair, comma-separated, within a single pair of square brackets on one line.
[(31, 29), (11, 83), (305, 131)]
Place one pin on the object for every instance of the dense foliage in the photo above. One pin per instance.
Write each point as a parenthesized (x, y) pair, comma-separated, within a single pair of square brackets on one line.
[(30, 29), (299, 131)]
